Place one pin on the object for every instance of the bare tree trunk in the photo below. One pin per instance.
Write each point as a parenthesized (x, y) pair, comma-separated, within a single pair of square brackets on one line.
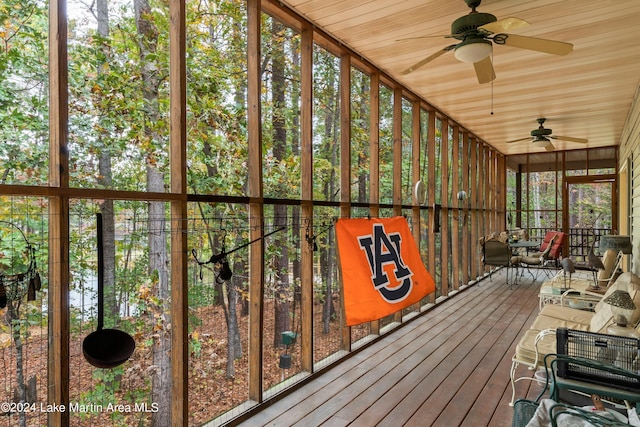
[(13, 319), (535, 189), (212, 171), (296, 266), (328, 309), (281, 264), (105, 180), (240, 267), (325, 257), (161, 351), (158, 259), (234, 345)]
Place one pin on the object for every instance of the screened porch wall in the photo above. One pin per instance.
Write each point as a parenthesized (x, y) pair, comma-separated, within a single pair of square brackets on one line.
[(292, 130)]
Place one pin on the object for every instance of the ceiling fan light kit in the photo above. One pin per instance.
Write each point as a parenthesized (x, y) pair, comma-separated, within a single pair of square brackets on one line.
[(541, 142), (473, 50)]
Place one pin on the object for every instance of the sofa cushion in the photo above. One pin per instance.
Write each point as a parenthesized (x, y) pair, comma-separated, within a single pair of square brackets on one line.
[(544, 322), (554, 316), (526, 349), (559, 312)]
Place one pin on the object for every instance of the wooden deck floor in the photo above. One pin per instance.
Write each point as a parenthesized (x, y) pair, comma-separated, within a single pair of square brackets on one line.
[(448, 367)]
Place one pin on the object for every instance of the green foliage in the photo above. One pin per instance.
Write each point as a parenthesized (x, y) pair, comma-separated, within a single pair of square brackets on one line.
[(106, 391), (23, 92), (216, 80)]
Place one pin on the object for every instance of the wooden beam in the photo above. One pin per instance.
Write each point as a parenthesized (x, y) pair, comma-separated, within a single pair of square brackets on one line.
[(473, 200), (445, 201), (501, 187), (487, 188), (397, 163), (374, 149), (457, 213), (490, 193), (179, 252), (256, 252), (482, 225), (416, 216), (466, 241), (431, 191), (58, 309), (306, 134), (345, 164), (374, 144)]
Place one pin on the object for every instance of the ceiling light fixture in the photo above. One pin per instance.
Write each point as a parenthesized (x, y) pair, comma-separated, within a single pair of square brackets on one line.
[(473, 50), (541, 142)]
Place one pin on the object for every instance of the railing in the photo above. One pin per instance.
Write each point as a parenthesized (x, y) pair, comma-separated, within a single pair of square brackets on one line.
[(580, 240)]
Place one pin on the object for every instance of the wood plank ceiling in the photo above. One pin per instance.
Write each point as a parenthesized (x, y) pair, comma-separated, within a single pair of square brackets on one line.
[(585, 94)]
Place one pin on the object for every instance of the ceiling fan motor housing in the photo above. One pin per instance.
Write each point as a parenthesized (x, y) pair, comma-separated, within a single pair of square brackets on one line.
[(541, 132), (468, 24)]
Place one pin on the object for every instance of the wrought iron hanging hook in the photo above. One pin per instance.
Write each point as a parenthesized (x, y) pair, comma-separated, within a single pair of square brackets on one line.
[(311, 240), (221, 258)]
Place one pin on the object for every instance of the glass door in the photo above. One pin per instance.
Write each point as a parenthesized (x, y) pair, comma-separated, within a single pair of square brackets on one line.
[(590, 215)]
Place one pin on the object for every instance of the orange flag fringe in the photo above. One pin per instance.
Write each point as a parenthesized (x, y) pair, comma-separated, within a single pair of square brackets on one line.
[(382, 271)]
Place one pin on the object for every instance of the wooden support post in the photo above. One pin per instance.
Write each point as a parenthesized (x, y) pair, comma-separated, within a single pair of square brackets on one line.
[(457, 204), (431, 190), (473, 201), (374, 149), (178, 208), (256, 252), (415, 176), (345, 165), (466, 240), (306, 131), (58, 310), (397, 164), (446, 202)]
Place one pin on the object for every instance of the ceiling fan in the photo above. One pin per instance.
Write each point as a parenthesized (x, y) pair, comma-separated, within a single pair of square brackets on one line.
[(542, 137), (478, 32)]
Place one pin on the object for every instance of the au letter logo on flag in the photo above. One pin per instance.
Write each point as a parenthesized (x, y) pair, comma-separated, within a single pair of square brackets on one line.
[(383, 249), (382, 271)]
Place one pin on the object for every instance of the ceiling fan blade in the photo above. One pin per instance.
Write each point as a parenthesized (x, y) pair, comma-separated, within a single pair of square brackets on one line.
[(570, 139), (533, 43), (518, 140), (484, 70), (503, 25), (427, 59), (549, 147), (446, 36)]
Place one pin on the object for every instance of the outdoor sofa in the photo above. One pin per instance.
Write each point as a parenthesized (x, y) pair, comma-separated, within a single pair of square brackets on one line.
[(539, 340)]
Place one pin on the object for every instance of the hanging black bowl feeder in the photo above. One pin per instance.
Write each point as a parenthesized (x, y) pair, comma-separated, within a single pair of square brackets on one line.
[(106, 348), (285, 361), (288, 338)]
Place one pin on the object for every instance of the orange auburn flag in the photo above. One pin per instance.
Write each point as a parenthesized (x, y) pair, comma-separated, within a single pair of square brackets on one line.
[(382, 271)]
